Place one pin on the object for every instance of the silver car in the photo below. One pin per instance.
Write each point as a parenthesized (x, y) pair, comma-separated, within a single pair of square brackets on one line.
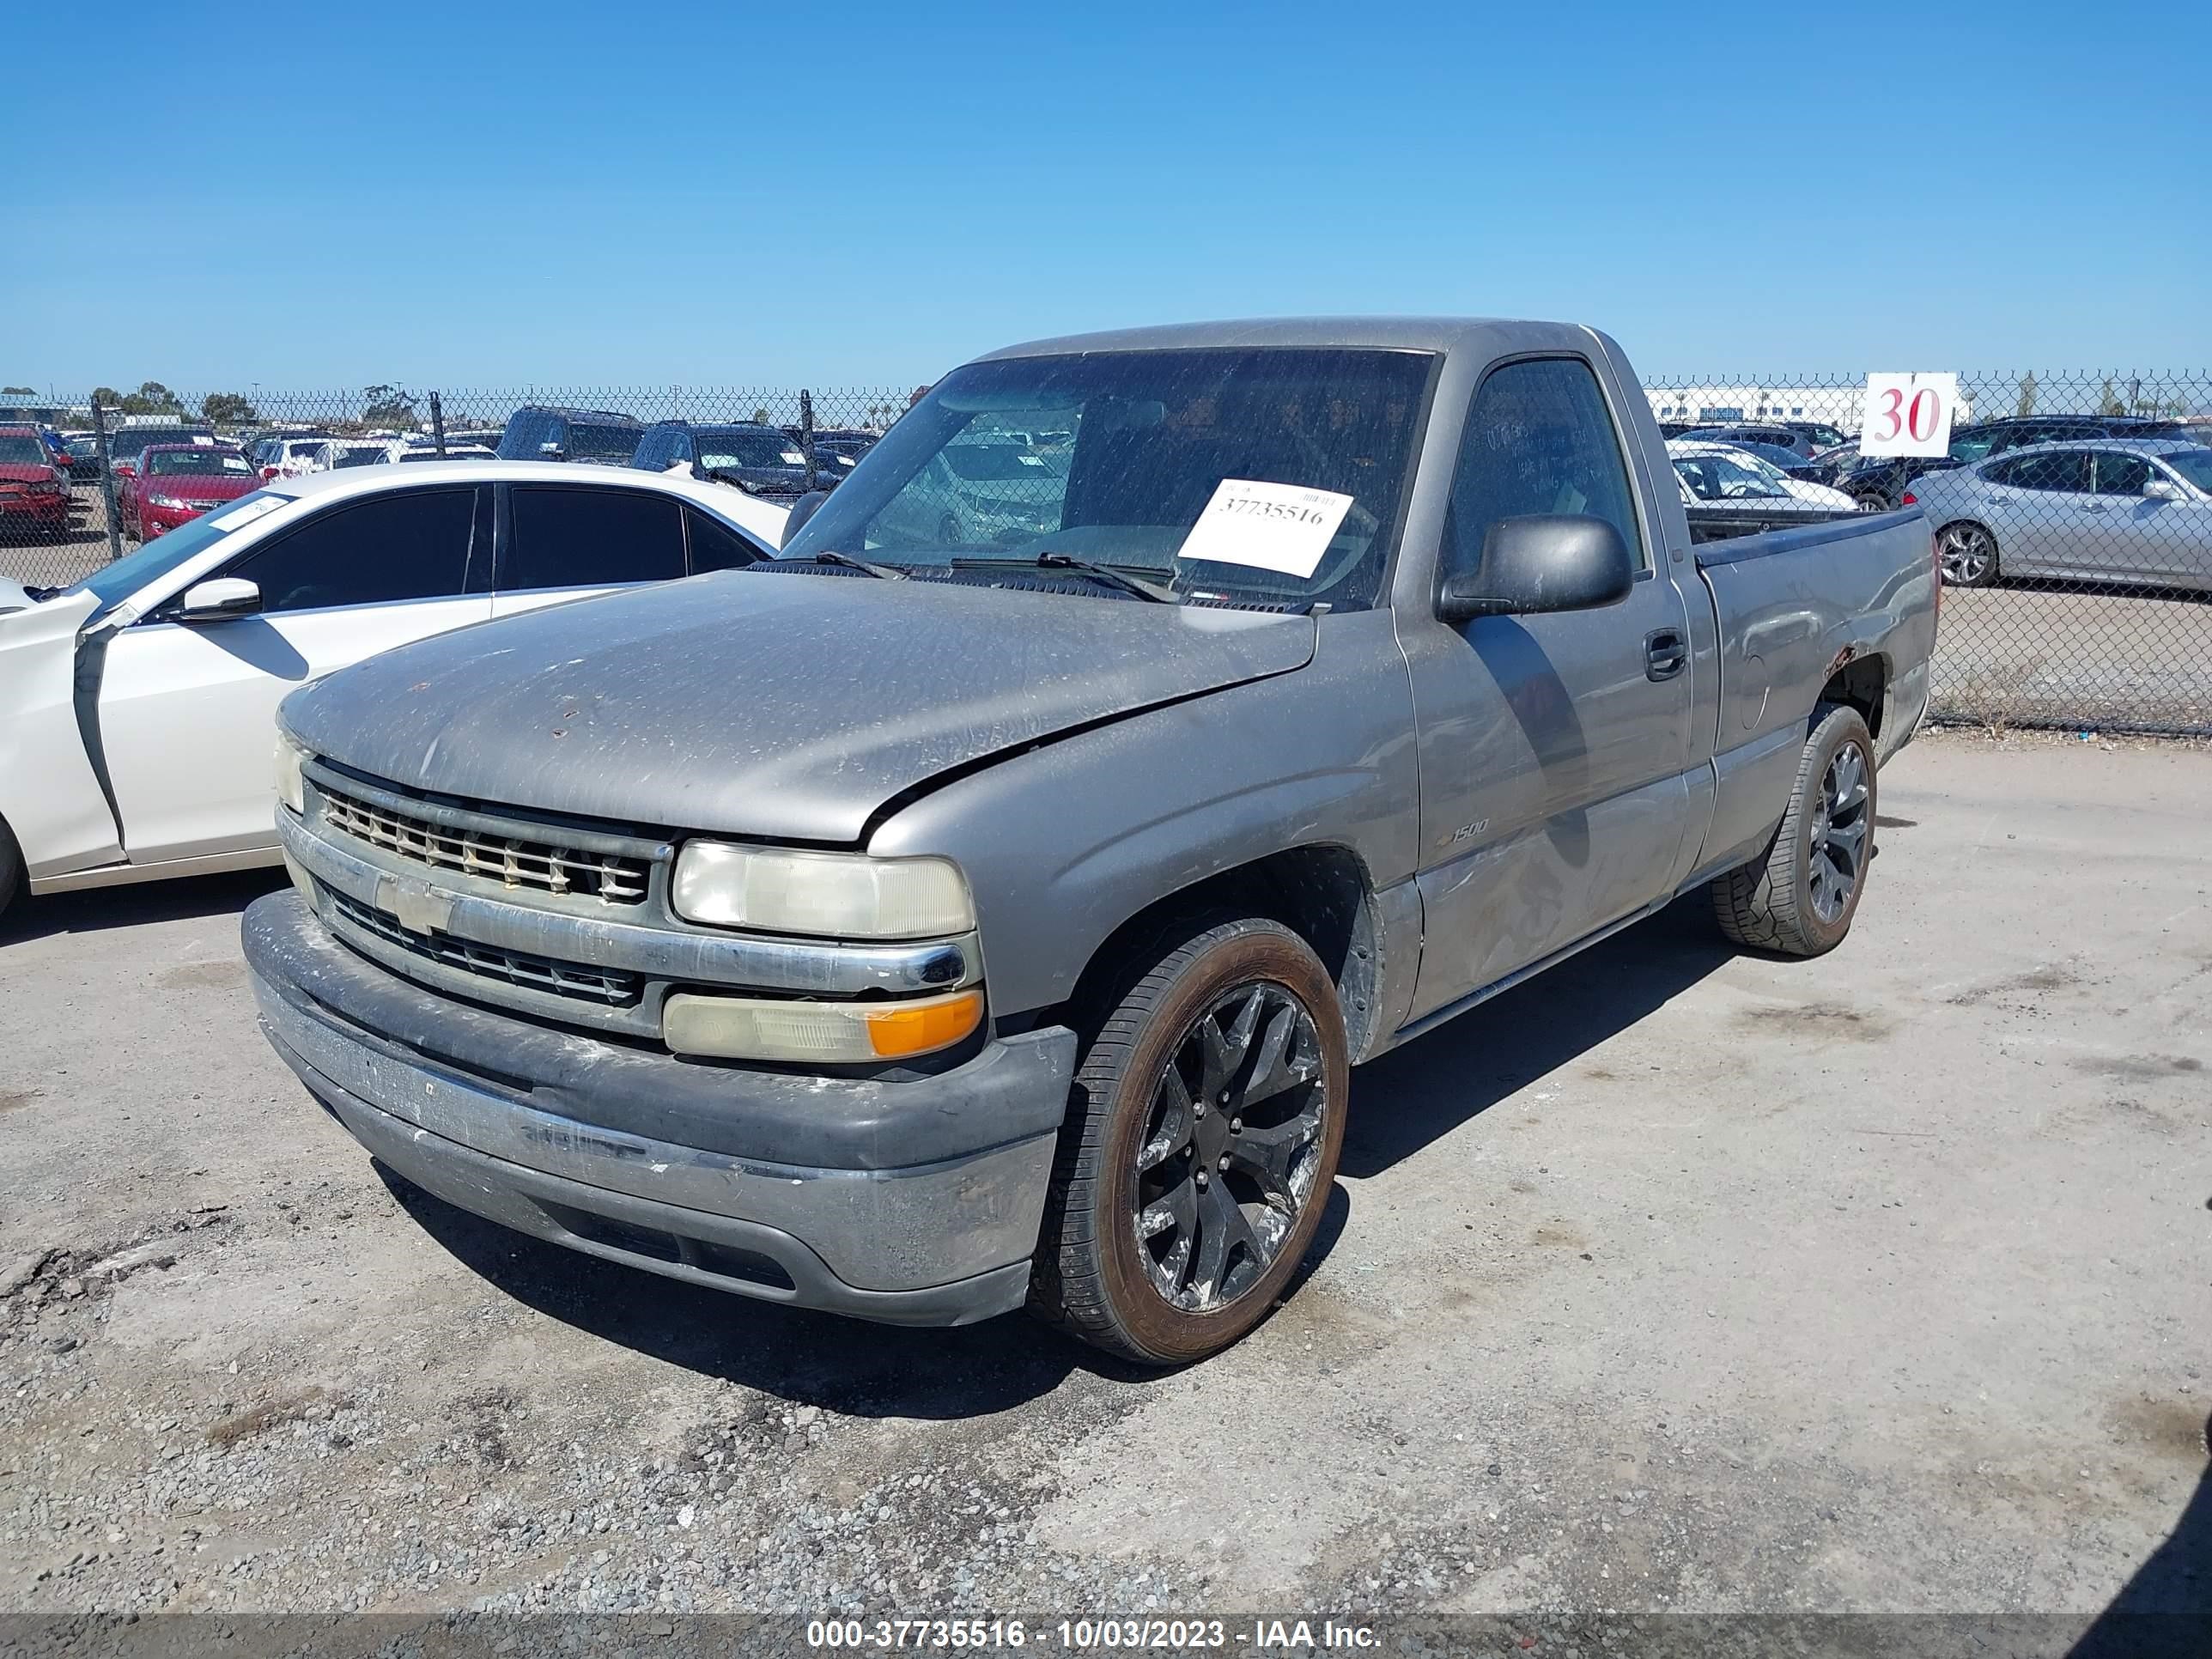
[(2133, 511)]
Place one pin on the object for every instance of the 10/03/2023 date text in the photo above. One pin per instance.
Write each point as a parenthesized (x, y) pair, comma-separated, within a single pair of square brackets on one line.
[(1085, 1635)]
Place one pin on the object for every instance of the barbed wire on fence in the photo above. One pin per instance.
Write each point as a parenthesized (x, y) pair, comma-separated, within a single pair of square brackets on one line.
[(2078, 570)]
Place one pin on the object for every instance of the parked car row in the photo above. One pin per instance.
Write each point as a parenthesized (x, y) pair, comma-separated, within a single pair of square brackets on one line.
[(186, 645), (1879, 483), (2101, 510), (759, 459)]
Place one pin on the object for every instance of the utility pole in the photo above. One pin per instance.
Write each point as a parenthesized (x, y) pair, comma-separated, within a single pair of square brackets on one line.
[(107, 480)]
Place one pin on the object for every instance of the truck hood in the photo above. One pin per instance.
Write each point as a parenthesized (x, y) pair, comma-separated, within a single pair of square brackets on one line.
[(785, 706)]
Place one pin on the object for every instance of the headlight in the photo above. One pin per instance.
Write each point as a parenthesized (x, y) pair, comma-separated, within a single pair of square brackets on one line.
[(291, 788), (825, 895), (821, 1033), (165, 501)]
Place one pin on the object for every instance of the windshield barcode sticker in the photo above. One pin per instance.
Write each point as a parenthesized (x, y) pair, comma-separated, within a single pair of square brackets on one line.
[(1269, 527)]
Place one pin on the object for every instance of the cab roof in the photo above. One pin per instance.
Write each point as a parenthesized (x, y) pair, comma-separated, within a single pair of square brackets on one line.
[(1373, 333)]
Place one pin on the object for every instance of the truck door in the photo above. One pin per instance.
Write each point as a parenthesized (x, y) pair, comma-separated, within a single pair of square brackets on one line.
[(1554, 747)]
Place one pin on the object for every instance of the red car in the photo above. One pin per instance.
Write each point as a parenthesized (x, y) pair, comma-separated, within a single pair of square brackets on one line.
[(174, 483), (34, 493)]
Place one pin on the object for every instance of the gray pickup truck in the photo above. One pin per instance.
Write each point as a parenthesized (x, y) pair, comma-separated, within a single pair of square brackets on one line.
[(928, 923)]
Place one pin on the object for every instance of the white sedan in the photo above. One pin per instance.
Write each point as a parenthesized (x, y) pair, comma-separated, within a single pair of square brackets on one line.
[(137, 708), (1725, 464)]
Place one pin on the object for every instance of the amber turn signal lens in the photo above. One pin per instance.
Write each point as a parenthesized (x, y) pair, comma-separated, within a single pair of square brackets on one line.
[(918, 1028)]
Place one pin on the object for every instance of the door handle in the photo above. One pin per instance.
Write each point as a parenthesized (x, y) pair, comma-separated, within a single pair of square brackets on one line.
[(1664, 654)]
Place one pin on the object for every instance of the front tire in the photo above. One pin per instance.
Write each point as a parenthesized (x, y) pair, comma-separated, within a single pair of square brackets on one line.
[(1967, 555), (1797, 899), (1200, 1147)]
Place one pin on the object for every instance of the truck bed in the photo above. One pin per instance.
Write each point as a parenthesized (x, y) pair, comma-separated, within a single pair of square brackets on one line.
[(1794, 608)]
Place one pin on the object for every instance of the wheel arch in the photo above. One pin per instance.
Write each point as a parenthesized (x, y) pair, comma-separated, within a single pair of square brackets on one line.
[(1863, 683), (1322, 891)]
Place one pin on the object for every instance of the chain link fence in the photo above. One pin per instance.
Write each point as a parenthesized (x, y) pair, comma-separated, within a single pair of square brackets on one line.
[(2073, 513)]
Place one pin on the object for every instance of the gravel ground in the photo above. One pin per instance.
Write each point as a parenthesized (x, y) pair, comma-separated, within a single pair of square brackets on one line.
[(1674, 1280)]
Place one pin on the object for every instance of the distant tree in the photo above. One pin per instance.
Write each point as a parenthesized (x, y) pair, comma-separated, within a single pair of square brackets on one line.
[(107, 396), (227, 409), (2108, 401), (387, 405), (760, 417), (151, 398), (18, 392), (2026, 405)]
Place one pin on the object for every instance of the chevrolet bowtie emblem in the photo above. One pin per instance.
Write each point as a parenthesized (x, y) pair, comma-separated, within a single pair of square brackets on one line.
[(418, 907)]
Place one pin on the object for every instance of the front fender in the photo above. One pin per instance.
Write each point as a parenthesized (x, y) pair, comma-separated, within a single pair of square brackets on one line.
[(1064, 842)]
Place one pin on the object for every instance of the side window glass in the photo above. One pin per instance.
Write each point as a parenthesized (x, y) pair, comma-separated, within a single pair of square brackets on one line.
[(411, 545), (2062, 471), (715, 546), (565, 536), (2120, 475), (1539, 440)]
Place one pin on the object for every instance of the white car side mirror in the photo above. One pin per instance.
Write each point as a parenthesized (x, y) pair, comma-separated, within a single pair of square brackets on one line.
[(219, 598), (2162, 489)]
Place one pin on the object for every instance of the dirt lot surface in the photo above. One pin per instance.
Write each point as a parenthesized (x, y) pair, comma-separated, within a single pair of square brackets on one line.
[(71, 557), (2079, 656), (1676, 1280)]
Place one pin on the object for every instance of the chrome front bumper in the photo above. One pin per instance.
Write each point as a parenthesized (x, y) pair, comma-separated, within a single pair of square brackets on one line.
[(914, 1201)]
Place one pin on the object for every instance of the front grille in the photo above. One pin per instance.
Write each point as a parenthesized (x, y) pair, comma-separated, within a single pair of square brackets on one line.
[(545, 867), (599, 987)]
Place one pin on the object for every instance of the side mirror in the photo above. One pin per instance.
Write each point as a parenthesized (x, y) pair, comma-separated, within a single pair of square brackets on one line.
[(2162, 489), (801, 510), (1541, 562), (126, 469), (550, 450), (218, 599)]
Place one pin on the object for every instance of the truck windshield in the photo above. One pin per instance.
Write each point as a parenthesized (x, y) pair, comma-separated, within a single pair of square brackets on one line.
[(1273, 475), (748, 449)]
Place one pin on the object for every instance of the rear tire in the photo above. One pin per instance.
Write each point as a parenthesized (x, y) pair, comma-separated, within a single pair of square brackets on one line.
[(1967, 554), (1200, 1147), (1872, 502), (1798, 897)]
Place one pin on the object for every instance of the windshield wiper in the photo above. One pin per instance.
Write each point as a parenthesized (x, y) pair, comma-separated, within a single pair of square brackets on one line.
[(1100, 573), (889, 573)]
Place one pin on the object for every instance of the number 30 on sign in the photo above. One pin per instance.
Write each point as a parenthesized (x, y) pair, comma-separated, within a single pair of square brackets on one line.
[(1907, 414)]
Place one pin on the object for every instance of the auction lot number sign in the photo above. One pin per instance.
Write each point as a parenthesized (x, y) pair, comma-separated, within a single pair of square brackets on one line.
[(1907, 414)]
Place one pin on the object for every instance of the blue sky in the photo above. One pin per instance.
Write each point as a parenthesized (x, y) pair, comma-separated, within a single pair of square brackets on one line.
[(325, 196)]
